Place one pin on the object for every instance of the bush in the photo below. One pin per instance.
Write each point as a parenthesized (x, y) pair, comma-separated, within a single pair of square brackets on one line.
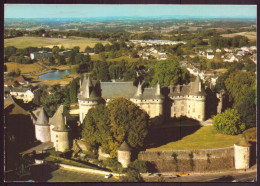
[(132, 175), (141, 166), (113, 164), (229, 122)]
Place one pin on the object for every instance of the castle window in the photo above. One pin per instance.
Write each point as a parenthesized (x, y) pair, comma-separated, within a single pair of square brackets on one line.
[(56, 140), (56, 136)]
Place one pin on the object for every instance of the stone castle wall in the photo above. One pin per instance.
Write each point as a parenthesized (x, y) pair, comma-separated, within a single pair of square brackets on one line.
[(190, 160), (242, 157), (84, 107)]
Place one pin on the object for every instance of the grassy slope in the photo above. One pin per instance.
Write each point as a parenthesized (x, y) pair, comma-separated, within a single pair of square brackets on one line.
[(250, 35), (23, 42), (25, 68), (204, 138)]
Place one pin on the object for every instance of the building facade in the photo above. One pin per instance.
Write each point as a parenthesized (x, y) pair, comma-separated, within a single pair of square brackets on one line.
[(176, 101)]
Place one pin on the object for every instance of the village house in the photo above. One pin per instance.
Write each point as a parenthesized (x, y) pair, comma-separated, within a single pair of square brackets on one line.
[(23, 93)]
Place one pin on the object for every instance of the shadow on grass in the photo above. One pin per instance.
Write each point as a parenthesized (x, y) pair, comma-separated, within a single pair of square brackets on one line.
[(252, 154), (42, 173), (174, 131)]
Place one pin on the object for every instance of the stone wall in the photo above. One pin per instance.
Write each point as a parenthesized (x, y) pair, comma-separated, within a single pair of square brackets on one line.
[(190, 160), (42, 133)]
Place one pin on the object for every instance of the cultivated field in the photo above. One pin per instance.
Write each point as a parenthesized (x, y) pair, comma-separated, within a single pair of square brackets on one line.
[(25, 68), (250, 35), (23, 42)]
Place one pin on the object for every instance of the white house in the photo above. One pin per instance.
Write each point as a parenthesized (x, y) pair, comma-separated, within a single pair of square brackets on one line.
[(218, 50), (231, 60), (23, 93), (210, 55)]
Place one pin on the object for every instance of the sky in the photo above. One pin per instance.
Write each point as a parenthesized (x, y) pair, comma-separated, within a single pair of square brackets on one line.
[(80, 11)]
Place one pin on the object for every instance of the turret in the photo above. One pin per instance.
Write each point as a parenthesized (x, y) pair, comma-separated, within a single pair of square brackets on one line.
[(139, 91), (61, 131), (42, 127), (87, 97), (196, 87), (124, 155)]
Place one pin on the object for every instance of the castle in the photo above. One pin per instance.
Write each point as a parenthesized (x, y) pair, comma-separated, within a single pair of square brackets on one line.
[(175, 101)]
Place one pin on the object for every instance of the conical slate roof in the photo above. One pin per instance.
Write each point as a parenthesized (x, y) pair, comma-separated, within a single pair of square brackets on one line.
[(243, 142), (59, 121), (87, 90), (195, 90), (124, 147), (42, 119)]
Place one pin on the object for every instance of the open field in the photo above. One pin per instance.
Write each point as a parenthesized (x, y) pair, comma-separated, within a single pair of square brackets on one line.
[(250, 35), (96, 57), (23, 42), (203, 138), (25, 68)]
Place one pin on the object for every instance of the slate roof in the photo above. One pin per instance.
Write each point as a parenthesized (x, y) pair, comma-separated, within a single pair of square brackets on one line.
[(43, 118), (149, 93), (87, 85), (59, 121), (112, 90), (19, 89), (194, 90), (184, 90), (16, 108), (124, 147)]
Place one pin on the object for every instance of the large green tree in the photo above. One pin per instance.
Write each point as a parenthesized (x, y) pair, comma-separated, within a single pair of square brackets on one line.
[(108, 126), (229, 122), (170, 72)]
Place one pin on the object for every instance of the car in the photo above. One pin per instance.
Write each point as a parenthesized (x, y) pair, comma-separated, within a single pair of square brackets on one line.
[(182, 174), (108, 176)]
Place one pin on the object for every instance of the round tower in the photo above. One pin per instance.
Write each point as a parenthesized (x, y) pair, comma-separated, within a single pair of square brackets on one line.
[(42, 127), (61, 132), (197, 98), (87, 97), (242, 154), (124, 155)]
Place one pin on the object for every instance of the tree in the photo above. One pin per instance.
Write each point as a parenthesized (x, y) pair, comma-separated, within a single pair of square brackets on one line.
[(170, 72), (238, 84), (76, 49), (101, 71), (107, 47), (88, 49), (108, 126), (79, 58), (247, 108), (61, 60), (132, 175), (52, 60), (71, 59), (140, 165), (229, 122), (98, 48), (73, 91), (55, 51)]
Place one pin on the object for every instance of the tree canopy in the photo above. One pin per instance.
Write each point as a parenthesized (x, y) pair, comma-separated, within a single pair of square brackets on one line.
[(108, 126), (229, 122), (170, 72)]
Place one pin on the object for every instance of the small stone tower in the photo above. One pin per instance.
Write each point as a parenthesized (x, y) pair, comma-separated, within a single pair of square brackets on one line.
[(196, 102), (159, 100), (87, 97), (124, 155), (242, 154), (220, 96), (42, 127), (61, 132)]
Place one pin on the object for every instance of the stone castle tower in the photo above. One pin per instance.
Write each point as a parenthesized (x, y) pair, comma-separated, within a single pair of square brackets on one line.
[(150, 100), (242, 154), (87, 97), (124, 155), (60, 131), (188, 100), (42, 127)]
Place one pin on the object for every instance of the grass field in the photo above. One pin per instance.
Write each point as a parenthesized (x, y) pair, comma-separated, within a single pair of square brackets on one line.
[(23, 42), (203, 138), (25, 68), (250, 35)]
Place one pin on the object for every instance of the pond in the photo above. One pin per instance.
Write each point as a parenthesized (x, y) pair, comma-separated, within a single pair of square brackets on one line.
[(58, 74)]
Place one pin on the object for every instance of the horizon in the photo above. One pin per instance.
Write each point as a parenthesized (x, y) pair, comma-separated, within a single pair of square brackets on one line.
[(31, 11)]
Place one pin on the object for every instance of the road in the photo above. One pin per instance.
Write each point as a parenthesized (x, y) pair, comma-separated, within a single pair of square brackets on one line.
[(44, 173), (227, 176)]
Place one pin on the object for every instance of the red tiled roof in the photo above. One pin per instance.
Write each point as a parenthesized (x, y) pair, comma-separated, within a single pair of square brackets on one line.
[(19, 79)]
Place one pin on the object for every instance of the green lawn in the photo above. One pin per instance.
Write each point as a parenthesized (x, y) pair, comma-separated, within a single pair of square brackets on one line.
[(203, 138), (23, 42)]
